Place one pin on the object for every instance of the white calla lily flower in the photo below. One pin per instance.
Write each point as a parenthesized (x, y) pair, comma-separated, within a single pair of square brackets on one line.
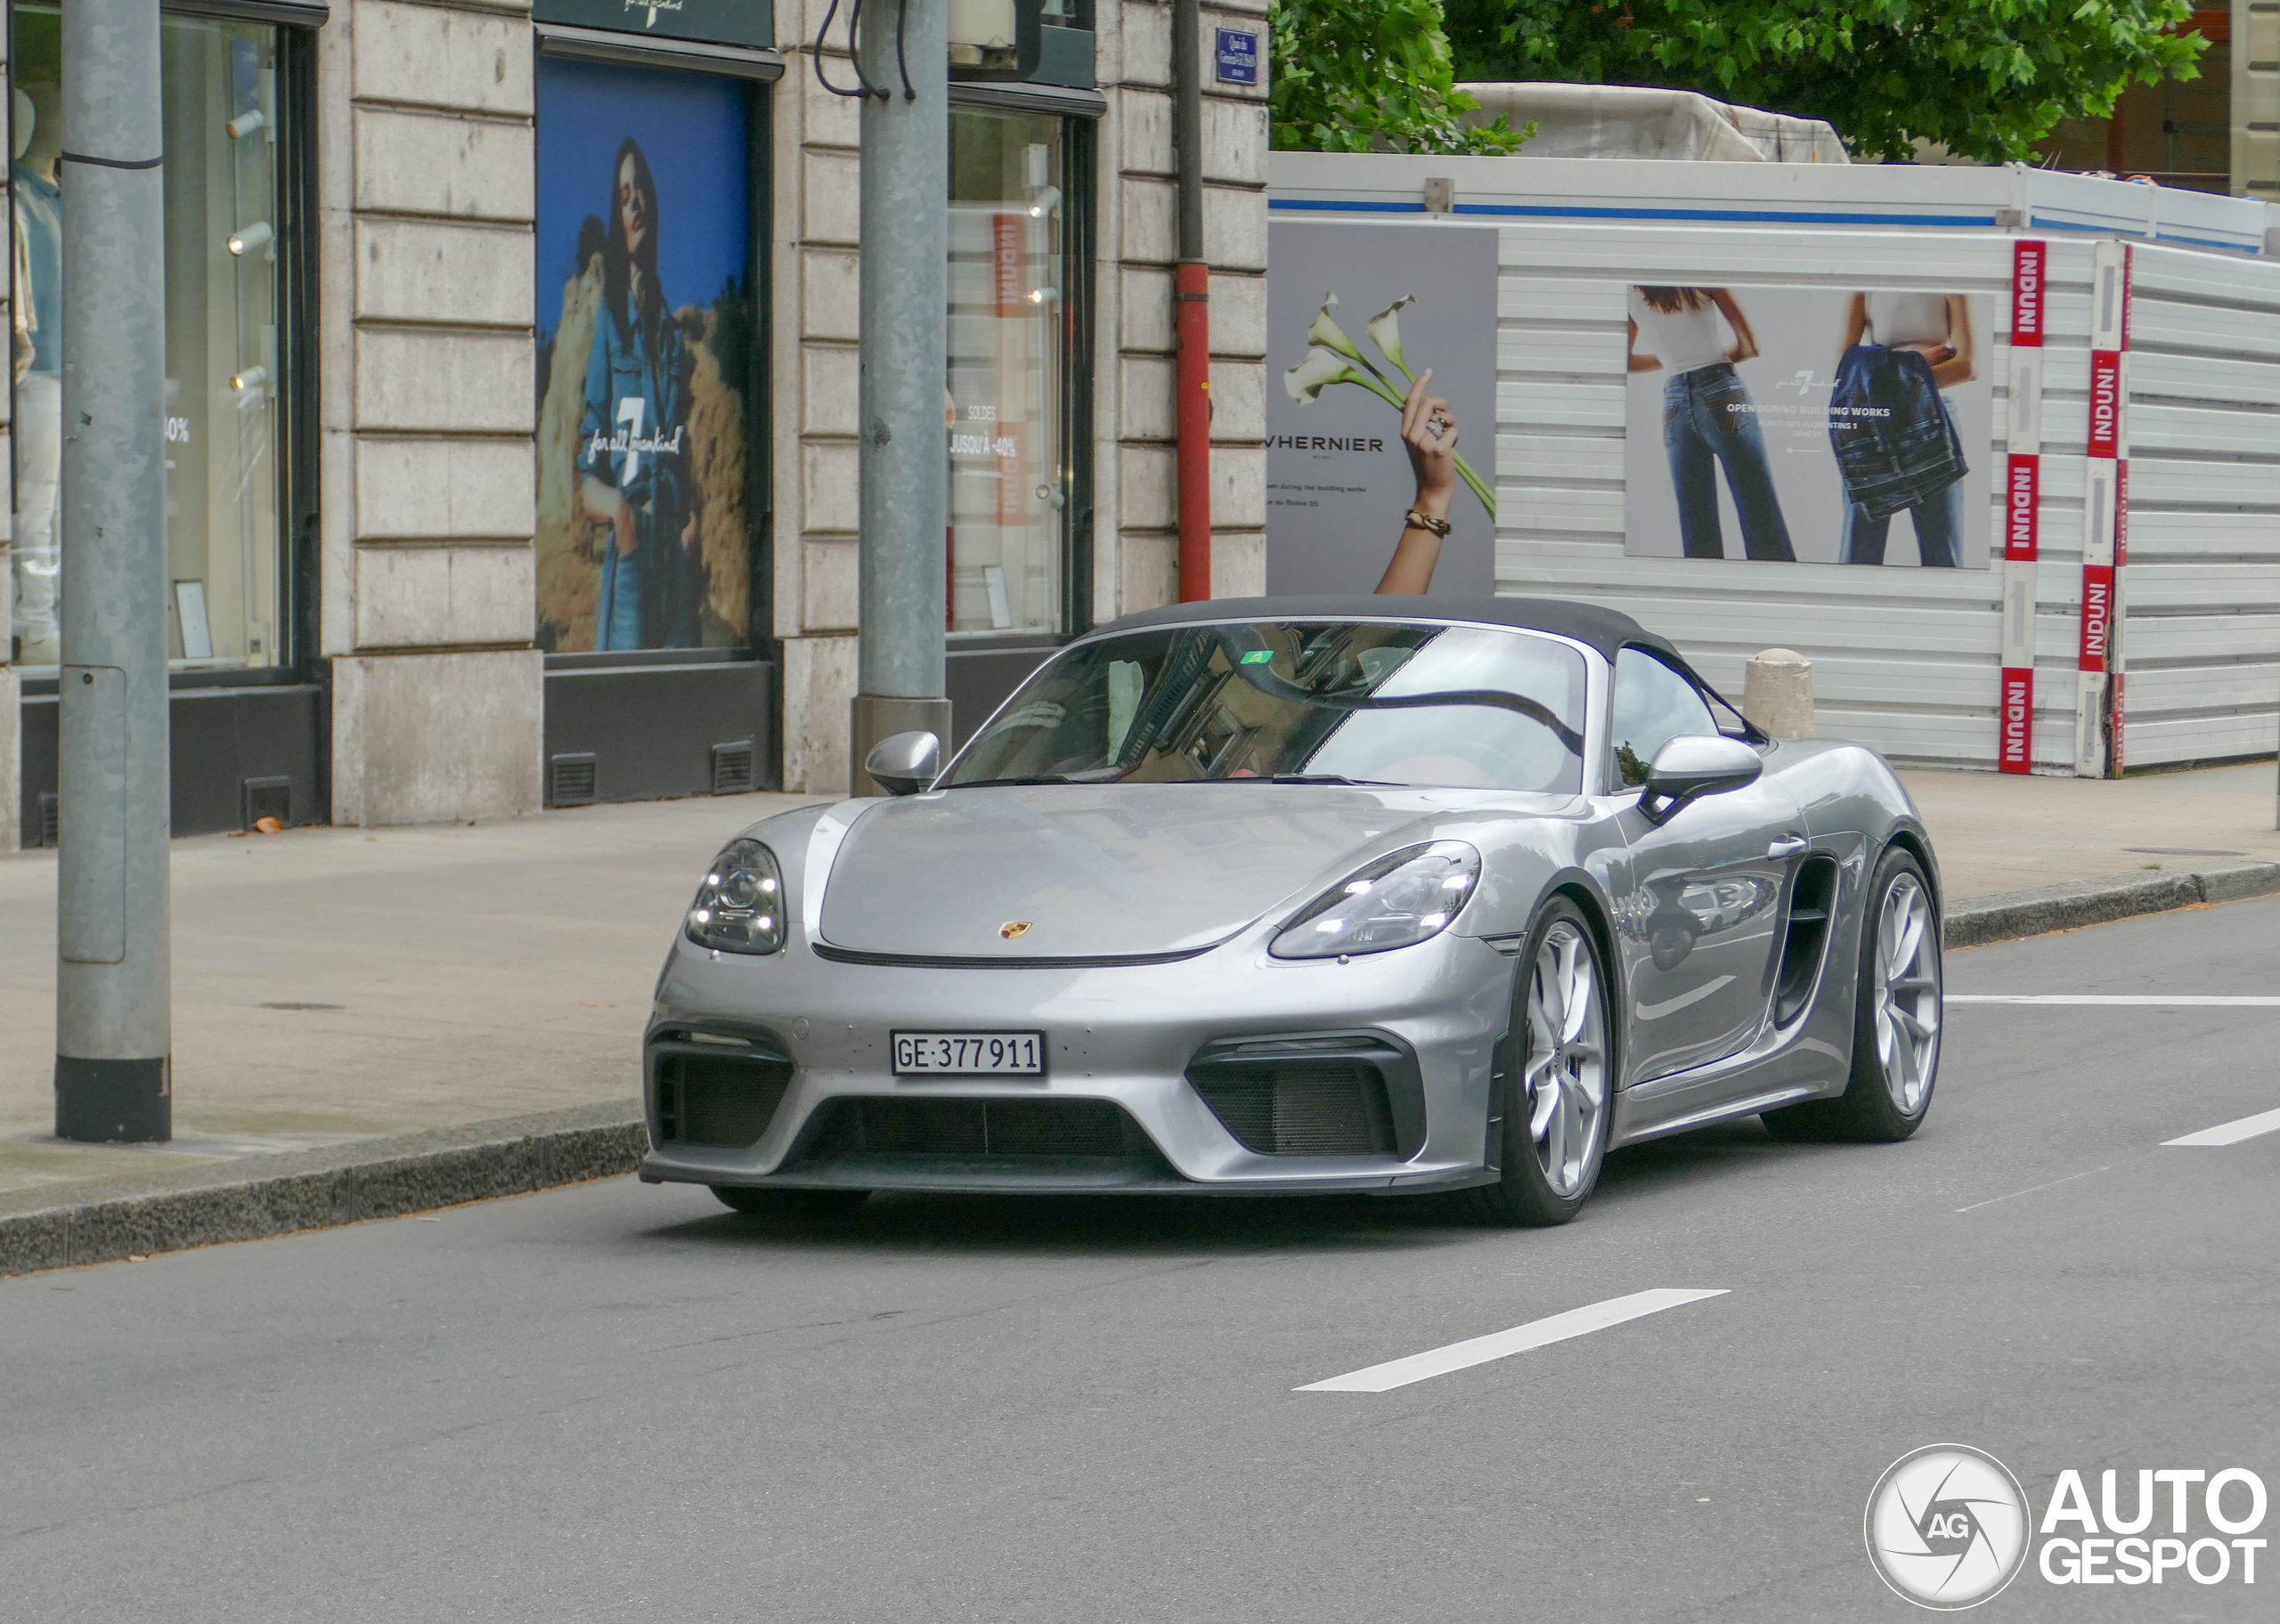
[(1326, 332), (1385, 331), (1320, 368)]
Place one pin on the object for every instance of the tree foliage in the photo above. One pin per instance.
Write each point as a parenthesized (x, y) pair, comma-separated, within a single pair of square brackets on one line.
[(1988, 78), (1361, 76)]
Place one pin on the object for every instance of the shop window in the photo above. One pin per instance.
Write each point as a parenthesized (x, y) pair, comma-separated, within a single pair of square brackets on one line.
[(227, 239), (645, 348), (1011, 500)]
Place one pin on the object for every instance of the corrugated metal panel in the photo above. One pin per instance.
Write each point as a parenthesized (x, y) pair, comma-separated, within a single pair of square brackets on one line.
[(2201, 591)]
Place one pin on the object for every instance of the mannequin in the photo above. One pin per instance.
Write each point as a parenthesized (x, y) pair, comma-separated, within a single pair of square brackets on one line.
[(38, 321)]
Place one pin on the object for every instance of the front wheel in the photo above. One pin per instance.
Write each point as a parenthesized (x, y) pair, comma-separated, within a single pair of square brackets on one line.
[(1896, 1018), (1555, 1092)]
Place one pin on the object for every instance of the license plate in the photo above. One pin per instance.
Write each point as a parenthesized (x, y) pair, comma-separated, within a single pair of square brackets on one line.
[(969, 1054)]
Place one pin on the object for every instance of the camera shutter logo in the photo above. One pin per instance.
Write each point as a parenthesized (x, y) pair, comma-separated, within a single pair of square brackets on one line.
[(1946, 1526)]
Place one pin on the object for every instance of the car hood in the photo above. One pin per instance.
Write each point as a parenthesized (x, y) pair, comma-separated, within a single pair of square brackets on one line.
[(1100, 871)]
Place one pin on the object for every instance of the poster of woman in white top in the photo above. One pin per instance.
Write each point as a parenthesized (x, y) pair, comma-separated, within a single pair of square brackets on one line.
[(1818, 424)]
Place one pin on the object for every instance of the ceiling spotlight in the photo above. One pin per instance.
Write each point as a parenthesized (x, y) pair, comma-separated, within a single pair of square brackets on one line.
[(244, 124), (1042, 296), (1045, 202), (250, 379), (247, 238)]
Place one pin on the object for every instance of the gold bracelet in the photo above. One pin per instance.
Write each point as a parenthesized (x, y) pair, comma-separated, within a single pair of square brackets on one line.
[(1420, 521)]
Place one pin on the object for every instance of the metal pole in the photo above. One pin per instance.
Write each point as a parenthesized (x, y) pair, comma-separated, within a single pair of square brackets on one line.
[(112, 1029), (904, 52), (1192, 310)]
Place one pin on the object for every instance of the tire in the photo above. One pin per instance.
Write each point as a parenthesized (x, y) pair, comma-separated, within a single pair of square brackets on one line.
[(766, 1203), (1557, 1091), (1896, 1018)]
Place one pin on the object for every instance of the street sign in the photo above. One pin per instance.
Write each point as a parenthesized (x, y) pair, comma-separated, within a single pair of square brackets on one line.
[(1238, 57)]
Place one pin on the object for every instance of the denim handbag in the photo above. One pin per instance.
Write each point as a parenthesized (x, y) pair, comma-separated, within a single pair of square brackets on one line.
[(1896, 443)]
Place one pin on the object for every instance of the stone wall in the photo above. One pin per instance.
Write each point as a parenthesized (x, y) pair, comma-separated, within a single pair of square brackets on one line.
[(427, 294), (816, 240)]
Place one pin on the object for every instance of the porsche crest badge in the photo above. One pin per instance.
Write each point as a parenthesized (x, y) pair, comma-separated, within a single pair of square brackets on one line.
[(1013, 928)]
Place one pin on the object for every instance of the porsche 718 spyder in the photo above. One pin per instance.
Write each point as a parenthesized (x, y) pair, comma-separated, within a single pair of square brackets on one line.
[(1296, 896)]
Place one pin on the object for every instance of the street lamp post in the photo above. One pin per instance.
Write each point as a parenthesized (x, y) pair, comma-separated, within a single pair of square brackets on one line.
[(113, 1064), (904, 52)]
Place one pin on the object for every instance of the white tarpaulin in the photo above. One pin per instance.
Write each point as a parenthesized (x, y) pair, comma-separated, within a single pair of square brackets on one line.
[(1630, 121)]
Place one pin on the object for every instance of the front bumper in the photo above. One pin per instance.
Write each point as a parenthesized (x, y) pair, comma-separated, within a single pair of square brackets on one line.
[(1125, 1034)]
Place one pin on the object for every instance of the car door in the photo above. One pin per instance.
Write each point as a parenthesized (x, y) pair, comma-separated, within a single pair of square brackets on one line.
[(1698, 912)]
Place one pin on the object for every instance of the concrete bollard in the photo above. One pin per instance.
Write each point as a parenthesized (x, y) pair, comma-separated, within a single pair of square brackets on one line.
[(1778, 694)]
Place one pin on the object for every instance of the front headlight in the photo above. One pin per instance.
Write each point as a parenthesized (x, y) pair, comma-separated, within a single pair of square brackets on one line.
[(740, 906), (1401, 899)]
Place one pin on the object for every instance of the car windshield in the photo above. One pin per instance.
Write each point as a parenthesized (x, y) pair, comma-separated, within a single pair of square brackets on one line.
[(1296, 701)]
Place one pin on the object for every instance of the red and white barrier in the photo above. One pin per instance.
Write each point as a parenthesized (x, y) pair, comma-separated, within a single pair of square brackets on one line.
[(2022, 504), (2105, 519)]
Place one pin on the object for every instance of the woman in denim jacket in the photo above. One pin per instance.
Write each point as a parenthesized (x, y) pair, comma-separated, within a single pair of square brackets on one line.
[(634, 440)]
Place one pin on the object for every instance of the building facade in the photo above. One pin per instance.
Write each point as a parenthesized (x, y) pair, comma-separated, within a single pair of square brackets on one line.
[(512, 368)]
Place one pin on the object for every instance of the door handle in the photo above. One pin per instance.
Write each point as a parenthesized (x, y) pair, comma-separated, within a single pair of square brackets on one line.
[(1786, 847)]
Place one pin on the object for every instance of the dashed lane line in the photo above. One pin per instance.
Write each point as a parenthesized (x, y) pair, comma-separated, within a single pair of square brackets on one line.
[(2232, 1133), (2209, 1000), (1503, 1344)]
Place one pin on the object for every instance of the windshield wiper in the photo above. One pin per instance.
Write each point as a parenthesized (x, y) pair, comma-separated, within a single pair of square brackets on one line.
[(988, 783), (1367, 783)]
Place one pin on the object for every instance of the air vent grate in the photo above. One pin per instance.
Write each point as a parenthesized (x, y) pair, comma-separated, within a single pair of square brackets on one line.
[(1298, 1107), (1812, 899), (732, 768), (570, 781), (974, 1128), (50, 818), (722, 1102), (268, 798)]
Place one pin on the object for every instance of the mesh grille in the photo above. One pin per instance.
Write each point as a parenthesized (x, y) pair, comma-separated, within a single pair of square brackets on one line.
[(732, 768), (1299, 1108), (724, 1101), (974, 1127), (570, 780)]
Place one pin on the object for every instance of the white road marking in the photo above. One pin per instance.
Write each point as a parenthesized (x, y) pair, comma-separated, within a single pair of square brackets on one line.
[(2232, 1133), (2031, 1190), (1503, 1344), (2210, 1000)]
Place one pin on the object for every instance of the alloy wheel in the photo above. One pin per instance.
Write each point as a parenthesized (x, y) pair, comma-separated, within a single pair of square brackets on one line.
[(1565, 1079), (1906, 993)]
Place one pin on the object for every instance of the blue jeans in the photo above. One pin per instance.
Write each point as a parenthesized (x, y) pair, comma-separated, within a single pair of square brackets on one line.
[(619, 624), (1706, 423), (1939, 529)]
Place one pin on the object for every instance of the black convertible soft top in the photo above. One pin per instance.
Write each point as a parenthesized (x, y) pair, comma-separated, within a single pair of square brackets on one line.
[(1607, 631)]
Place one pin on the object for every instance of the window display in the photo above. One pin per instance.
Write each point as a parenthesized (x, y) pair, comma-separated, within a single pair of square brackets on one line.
[(1010, 321), (646, 331), (226, 232)]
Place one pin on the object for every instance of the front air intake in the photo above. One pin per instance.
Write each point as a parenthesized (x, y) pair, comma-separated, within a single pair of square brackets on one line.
[(993, 1129), (1311, 1096), (716, 1095)]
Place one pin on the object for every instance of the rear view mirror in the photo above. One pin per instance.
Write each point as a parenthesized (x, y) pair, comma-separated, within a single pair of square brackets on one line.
[(905, 763), (1692, 765)]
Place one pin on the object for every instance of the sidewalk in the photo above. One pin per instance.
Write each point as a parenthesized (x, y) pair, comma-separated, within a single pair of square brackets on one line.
[(335, 985)]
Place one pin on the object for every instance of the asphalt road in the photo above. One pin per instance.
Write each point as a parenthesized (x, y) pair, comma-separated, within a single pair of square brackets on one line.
[(620, 1401)]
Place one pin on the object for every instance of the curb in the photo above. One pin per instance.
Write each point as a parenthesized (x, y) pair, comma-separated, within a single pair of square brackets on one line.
[(312, 1190), (2011, 914), (415, 1173)]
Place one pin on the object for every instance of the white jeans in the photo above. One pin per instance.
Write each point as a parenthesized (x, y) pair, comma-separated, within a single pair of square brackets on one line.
[(38, 539)]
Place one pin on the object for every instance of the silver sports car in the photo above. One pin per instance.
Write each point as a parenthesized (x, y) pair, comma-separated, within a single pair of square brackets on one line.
[(1282, 895)]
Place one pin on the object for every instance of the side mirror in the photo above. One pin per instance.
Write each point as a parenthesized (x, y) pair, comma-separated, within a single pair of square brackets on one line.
[(1692, 765), (905, 763)]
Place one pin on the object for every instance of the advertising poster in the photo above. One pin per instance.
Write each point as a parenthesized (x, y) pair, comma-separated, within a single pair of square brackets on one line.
[(1809, 425), (645, 334), (1387, 306)]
